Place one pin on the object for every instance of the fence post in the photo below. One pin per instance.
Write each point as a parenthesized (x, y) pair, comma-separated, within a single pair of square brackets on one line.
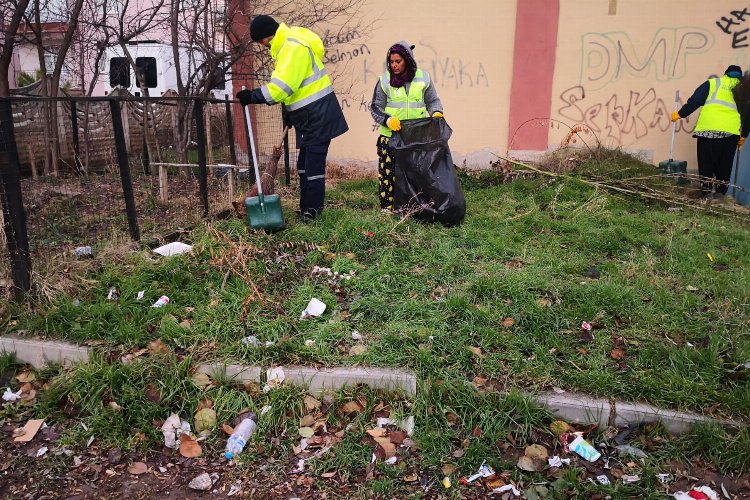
[(76, 144), (230, 131), (200, 130), (122, 161), (163, 184), (14, 215)]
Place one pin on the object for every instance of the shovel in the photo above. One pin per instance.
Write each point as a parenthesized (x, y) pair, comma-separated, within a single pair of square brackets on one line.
[(263, 212), (672, 166)]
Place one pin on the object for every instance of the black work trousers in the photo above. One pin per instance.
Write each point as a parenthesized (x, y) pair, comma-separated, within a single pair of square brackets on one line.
[(311, 167), (715, 157)]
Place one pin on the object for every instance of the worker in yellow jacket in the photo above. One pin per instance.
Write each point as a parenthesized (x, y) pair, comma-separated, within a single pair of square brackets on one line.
[(718, 130), (301, 84)]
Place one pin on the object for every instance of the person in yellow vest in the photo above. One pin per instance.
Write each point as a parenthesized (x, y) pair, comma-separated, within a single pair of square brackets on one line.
[(718, 131), (404, 92), (302, 85)]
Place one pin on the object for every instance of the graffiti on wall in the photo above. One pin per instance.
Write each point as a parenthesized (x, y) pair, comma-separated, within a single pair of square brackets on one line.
[(618, 119), (733, 25), (607, 57)]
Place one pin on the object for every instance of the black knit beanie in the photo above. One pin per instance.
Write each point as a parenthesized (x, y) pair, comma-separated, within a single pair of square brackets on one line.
[(262, 26)]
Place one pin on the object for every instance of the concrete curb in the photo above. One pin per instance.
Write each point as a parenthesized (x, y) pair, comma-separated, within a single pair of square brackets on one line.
[(237, 373), (583, 409), (571, 407), (39, 353), (319, 380)]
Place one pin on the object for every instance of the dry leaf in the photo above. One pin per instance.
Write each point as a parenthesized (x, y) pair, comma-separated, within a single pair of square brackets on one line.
[(152, 394), (453, 418), (205, 419), (459, 453), (449, 469), (156, 347), (357, 350), (115, 406), (311, 403), (352, 407), (617, 353), (306, 432), (477, 351), (307, 421), (543, 302), (536, 451), (397, 437), (25, 377), (328, 475), (138, 468), (204, 403), (526, 463), (410, 478), (479, 382), (388, 447), (508, 322), (228, 429), (189, 447), (201, 380), (376, 432)]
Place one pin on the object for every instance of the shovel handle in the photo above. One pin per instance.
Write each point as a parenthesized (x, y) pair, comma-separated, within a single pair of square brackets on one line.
[(255, 155)]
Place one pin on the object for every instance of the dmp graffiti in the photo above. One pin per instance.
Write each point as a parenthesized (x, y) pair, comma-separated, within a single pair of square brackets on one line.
[(616, 119), (732, 25), (606, 57)]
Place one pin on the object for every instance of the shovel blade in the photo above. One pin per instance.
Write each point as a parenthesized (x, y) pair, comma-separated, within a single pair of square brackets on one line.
[(267, 216)]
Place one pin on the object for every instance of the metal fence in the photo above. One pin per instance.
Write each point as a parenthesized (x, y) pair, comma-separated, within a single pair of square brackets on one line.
[(109, 171)]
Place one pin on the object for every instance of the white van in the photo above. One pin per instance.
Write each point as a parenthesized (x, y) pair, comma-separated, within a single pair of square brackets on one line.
[(156, 62)]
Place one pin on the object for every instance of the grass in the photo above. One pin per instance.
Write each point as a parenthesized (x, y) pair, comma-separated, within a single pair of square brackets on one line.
[(501, 297)]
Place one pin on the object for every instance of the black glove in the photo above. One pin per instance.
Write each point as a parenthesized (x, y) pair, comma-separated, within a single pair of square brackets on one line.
[(245, 96)]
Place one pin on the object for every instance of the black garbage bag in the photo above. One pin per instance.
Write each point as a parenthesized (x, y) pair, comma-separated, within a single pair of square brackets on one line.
[(426, 181)]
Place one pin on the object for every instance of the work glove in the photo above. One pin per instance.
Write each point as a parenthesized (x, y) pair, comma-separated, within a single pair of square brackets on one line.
[(437, 114), (393, 123), (675, 116), (740, 142), (245, 96)]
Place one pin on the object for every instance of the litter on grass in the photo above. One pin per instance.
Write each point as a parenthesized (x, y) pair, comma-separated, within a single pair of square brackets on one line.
[(484, 471), (9, 395), (314, 309), (174, 248), (172, 428)]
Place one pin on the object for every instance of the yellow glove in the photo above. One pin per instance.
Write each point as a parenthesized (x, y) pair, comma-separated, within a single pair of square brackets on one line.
[(437, 114), (675, 116), (393, 123), (740, 142)]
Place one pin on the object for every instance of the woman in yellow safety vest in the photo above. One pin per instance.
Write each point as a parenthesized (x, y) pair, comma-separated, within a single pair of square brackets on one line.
[(719, 130), (404, 92)]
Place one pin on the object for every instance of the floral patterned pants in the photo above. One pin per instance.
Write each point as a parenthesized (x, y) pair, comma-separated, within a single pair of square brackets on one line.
[(386, 174)]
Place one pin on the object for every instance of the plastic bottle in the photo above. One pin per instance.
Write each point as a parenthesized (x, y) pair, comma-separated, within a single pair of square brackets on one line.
[(163, 300), (240, 436)]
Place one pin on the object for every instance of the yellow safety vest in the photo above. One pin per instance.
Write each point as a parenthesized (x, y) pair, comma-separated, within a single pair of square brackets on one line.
[(299, 77), (401, 105), (719, 113)]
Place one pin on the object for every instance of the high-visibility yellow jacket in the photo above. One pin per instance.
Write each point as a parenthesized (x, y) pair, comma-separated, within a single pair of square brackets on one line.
[(719, 113), (402, 105), (301, 83)]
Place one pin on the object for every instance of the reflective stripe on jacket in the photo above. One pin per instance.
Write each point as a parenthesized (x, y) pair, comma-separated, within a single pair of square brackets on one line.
[(298, 78), (719, 113), (402, 105)]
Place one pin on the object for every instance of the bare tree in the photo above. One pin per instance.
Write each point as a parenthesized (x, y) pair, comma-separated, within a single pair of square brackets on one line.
[(11, 17)]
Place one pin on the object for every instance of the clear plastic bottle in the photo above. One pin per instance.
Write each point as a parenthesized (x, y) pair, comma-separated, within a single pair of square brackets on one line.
[(241, 435)]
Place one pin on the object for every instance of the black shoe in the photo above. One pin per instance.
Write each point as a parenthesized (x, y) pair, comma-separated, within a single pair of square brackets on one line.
[(304, 217)]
